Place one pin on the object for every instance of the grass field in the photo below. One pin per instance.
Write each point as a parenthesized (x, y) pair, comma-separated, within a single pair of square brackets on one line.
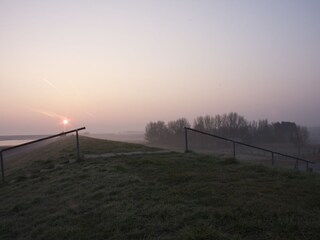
[(167, 196)]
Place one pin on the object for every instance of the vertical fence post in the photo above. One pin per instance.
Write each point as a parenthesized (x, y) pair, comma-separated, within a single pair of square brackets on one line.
[(234, 149), (186, 139), (78, 149), (2, 168), (296, 165), (272, 158)]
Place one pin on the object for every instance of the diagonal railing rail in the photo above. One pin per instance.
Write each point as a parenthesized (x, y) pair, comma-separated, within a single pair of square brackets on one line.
[(39, 140), (234, 142)]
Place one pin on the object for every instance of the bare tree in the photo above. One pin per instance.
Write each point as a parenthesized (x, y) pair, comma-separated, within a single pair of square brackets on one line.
[(198, 123), (156, 132)]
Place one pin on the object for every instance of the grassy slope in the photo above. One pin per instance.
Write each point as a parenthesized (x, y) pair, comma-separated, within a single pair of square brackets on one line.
[(171, 196), (65, 148)]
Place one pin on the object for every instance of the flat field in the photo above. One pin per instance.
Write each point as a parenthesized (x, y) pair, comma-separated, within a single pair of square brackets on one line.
[(160, 196)]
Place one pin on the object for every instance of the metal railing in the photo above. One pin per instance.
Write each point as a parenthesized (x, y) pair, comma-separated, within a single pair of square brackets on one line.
[(234, 142), (39, 140)]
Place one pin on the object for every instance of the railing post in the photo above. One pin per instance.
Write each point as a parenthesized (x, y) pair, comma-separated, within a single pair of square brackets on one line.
[(78, 149), (296, 165), (186, 139), (2, 168), (234, 149), (272, 158)]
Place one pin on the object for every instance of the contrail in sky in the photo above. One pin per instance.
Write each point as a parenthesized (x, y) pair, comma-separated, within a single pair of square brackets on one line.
[(49, 114), (51, 85), (75, 100)]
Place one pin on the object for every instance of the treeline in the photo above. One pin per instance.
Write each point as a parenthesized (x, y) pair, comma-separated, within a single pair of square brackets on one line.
[(230, 125)]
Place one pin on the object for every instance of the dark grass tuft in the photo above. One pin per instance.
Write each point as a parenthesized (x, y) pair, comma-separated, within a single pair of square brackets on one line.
[(230, 160)]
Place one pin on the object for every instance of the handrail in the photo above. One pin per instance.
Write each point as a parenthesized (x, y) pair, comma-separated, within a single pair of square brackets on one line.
[(245, 144), (39, 140)]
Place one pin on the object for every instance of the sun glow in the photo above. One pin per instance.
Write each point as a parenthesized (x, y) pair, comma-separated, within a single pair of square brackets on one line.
[(65, 123)]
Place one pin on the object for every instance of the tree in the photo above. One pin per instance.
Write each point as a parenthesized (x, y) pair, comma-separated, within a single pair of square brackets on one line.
[(234, 125), (176, 131), (218, 122), (176, 128), (156, 132), (206, 123), (284, 131), (264, 131), (300, 138), (198, 123)]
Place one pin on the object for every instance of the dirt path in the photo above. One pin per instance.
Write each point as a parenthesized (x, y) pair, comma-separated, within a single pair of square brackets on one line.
[(108, 155)]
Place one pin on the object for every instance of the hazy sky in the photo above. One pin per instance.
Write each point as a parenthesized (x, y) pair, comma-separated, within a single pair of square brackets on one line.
[(116, 65)]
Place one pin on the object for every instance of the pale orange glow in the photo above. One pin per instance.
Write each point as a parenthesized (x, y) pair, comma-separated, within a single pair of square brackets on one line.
[(65, 121)]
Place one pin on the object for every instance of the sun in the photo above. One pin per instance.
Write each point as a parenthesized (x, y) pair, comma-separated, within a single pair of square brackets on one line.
[(65, 121)]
